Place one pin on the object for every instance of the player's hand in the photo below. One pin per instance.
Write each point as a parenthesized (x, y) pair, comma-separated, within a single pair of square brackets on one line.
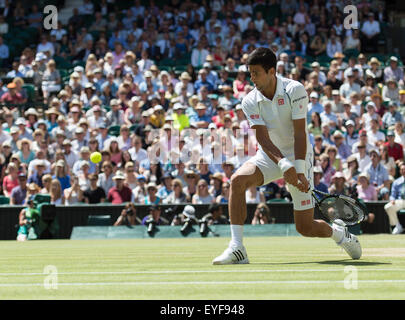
[(290, 176), (303, 184)]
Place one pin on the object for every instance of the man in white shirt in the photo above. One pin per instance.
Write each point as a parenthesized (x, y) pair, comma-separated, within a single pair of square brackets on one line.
[(276, 109), (374, 136), (370, 32)]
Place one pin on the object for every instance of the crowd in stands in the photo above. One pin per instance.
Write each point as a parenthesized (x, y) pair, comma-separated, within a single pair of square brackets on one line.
[(124, 93)]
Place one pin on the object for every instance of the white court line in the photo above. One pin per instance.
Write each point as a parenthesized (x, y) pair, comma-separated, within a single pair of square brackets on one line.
[(67, 284), (197, 271)]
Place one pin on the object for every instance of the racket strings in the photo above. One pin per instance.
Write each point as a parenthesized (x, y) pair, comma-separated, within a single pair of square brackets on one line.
[(338, 208)]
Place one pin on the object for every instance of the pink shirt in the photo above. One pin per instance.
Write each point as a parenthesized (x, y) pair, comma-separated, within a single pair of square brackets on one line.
[(368, 194)]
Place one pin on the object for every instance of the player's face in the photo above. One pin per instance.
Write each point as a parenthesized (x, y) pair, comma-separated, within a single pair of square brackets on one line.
[(260, 77)]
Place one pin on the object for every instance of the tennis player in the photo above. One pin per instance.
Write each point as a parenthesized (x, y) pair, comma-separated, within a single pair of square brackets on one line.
[(277, 108)]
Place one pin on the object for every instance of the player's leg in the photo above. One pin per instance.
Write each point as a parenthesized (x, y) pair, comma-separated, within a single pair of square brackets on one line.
[(307, 226), (246, 176)]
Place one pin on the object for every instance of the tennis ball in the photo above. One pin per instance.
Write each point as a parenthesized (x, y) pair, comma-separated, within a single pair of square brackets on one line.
[(95, 157)]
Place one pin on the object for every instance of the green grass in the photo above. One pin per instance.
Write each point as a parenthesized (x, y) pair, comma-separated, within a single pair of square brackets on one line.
[(280, 268)]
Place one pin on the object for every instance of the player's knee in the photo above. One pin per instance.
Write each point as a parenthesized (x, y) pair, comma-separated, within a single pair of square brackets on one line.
[(239, 183)]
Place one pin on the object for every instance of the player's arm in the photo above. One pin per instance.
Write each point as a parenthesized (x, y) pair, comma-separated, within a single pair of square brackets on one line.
[(300, 150), (289, 173), (299, 107)]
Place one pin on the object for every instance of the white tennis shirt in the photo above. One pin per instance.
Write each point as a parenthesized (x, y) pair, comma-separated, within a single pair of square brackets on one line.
[(290, 102)]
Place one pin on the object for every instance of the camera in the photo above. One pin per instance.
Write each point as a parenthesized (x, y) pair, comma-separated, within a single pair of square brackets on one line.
[(151, 224), (188, 223), (203, 227), (129, 212)]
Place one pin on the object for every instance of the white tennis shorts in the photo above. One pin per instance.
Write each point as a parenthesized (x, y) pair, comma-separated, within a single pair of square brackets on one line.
[(271, 172)]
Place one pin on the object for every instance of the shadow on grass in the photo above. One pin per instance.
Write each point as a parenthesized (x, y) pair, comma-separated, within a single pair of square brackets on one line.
[(345, 262)]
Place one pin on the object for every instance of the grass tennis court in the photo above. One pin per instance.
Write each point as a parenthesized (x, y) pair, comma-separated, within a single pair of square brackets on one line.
[(280, 268)]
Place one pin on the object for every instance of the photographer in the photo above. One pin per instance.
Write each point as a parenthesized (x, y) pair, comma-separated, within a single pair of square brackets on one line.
[(262, 214), (128, 216), (214, 215), (28, 222), (154, 213)]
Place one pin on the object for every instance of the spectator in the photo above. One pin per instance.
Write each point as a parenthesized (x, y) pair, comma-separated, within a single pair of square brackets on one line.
[(202, 196), (393, 71), (262, 215), (56, 193), (253, 195), (370, 32), (395, 150), (19, 193), (119, 193), (365, 190), (377, 172), (128, 216), (215, 215), (224, 196), (396, 202), (177, 196), (94, 194), (155, 214)]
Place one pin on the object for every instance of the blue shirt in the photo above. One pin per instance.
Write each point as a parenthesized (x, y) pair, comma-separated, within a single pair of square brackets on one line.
[(377, 175), (64, 181), (398, 189)]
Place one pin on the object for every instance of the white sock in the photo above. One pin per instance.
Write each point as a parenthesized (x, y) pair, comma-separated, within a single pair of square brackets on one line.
[(237, 235), (338, 234), (399, 226)]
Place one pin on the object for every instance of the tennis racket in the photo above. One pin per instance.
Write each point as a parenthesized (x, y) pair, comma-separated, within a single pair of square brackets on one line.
[(342, 207)]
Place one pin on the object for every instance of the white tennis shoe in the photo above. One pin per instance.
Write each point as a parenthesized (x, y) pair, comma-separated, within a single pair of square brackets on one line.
[(232, 255), (349, 241), (398, 229)]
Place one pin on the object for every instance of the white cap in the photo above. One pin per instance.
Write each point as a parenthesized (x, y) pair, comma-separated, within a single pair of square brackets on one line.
[(189, 211), (314, 94)]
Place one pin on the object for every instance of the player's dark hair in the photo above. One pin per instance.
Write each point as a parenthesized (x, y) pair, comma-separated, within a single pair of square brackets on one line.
[(263, 57)]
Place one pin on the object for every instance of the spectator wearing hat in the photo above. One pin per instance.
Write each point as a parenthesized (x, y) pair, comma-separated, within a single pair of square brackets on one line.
[(119, 193), (387, 161), (370, 115), (185, 81), (390, 90), (393, 71), (80, 140), (376, 171), (314, 105), (200, 119), (338, 184), (374, 69), (151, 197), (24, 131), (115, 117), (180, 119), (36, 176), (11, 96), (166, 188), (360, 152), (19, 193), (350, 135), (365, 190), (397, 201), (395, 150)]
